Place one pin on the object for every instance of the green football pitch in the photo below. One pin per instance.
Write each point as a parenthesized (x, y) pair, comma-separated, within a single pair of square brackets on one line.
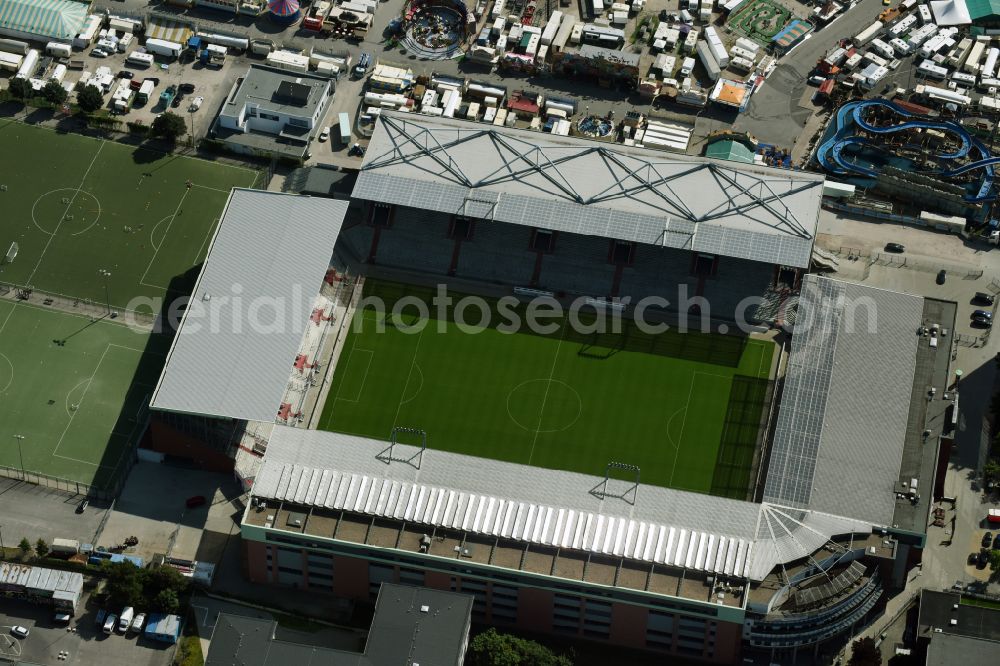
[(78, 207), (686, 408), (94, 221), (78, 403)]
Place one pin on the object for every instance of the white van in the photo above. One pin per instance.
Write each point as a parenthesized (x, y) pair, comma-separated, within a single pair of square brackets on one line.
[(109, 623), (125, 620)]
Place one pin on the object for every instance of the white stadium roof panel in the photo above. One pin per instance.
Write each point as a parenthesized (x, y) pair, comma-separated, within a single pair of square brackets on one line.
[(544, 506), (270, 250), (586, 187)]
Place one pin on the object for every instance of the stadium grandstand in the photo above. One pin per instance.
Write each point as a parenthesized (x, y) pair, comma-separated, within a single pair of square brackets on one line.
[(489, 204), (845, 456)]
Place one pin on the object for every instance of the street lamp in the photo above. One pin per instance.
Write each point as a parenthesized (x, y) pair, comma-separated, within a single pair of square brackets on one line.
[(20, 455), (107, 293)]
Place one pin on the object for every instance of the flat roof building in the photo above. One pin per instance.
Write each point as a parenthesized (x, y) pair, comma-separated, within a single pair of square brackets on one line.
[(273, 112), (412, 625)]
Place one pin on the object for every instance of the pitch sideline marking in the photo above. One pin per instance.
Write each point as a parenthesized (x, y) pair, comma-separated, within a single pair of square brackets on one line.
[(79, 189), (364, 378), (545, 396), (166, 233), (55, 451)]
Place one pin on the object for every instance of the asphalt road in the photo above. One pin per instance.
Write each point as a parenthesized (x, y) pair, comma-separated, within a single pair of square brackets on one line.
[(774, 115)]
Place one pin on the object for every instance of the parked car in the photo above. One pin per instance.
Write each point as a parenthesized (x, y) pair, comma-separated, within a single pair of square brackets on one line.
[(816, 80), (982, 322), (196, 103), (82, 506), (973, 558), (895, 247), (61, 617), (99, 53), (187, 88), (983, 559), (982, 298), (19, 631), (942, 274), (125, 620), (101, 616), (986, 314), (196, 501), (325, 134), (996, 542), (987, 539), (176, 102), (110, 622), (139, 620), (125, 74)]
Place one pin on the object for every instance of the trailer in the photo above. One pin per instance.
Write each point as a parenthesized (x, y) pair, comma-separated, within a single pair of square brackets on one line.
[(930, 70), (67, 547), (903, 25), (708, 61), (923, 33), (716, 46), (28, 65), (925, 14), (552, 28), (288, 61), (961, 52), (975, 55), (261, 46), (344, 125), (10, 61), (139, 59), (163, 48), (58, 50), (214, 55), (145, 91), (868, 34), (562, 37), (990, 65), (16, 46)]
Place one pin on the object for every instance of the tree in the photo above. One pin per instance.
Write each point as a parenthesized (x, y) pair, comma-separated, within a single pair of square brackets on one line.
[(491, 648), (169, 125), (20, 88), (124, 586), (865, 653), (90, 99), (166, 601), (995, 561), (991, 470), (163, 578), (41, 548), (54, 92), (25, 547)]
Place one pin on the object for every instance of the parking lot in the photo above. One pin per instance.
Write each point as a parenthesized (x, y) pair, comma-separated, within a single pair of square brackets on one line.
[(45, 513), (82, 642), (152, 508)]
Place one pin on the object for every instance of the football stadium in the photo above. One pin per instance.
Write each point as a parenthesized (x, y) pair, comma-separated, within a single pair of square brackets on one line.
[(596, 388)]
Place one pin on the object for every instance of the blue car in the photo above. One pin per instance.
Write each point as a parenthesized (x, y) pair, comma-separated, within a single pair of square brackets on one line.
[(982, 314)]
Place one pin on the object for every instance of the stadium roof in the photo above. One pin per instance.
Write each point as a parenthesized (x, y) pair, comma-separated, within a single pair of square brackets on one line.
[(592, 188), (44, 19), (233, 353), (842, 422), (541, 506)]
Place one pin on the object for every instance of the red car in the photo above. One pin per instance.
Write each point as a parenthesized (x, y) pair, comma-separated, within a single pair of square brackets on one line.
[(195, 501)]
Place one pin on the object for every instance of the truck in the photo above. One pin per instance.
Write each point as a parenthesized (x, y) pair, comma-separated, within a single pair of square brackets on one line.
[(214, 55), (167, 96), (145, 91), (162, 47), (344, 125)]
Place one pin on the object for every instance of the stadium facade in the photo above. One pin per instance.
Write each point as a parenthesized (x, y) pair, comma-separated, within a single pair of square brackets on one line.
[(840, 512)]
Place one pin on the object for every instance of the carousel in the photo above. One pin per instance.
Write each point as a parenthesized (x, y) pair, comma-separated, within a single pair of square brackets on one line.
[(435, 29)]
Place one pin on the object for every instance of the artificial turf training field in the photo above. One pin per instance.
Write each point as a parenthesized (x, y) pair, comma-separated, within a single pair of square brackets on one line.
[(686, 408), (78, 404), (77, 205)]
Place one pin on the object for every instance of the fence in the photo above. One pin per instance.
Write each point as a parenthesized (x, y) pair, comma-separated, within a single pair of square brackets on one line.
[(86, 306)]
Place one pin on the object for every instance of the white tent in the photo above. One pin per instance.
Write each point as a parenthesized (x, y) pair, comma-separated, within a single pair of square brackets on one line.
[(950, 12)]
